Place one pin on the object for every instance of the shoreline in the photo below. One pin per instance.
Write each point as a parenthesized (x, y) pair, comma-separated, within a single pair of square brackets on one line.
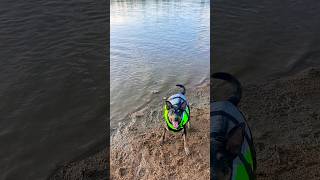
[(94, 166), (283, 115), (140, 155)]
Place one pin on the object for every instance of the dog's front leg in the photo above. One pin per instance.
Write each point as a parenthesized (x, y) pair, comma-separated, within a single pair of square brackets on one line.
[(186, 149)]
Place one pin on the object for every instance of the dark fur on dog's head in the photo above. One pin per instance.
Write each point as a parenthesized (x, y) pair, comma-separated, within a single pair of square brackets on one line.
[(175, 113)]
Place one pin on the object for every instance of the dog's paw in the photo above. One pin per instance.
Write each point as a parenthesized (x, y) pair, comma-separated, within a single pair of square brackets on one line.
[(161, 142), (187, 151)]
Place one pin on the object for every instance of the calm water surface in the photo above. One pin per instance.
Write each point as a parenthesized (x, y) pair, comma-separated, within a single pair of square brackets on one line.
[(258, 40), (154, 45), (52, 84)]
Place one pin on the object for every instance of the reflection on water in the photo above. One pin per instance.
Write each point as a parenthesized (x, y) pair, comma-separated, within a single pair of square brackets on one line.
[(154, 45)]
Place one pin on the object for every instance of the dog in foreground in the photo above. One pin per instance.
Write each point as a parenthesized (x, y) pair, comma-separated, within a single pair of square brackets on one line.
[(176, 114), (232, 153)]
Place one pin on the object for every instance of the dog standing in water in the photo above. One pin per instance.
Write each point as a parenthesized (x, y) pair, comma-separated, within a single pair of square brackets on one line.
[(176, 113), (232, 153)]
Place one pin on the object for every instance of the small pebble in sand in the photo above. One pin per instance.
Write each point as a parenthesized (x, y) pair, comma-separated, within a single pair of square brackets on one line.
[(122, 172), (138, 114), (155, 92)]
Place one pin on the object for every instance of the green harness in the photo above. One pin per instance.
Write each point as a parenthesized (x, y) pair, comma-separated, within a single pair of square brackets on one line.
[(185, 118)]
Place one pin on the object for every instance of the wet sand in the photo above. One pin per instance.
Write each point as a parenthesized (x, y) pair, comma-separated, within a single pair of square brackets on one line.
[(88, 168)]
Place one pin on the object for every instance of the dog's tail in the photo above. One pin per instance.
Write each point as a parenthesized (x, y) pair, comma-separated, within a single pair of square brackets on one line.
[(183, 88), (237, 92)]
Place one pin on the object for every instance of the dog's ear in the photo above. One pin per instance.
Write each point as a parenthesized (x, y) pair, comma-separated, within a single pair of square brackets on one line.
[(184, 105), (168, 105), (235, 140)]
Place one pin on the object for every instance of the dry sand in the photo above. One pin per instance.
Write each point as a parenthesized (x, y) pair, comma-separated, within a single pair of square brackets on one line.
[(284, 117)]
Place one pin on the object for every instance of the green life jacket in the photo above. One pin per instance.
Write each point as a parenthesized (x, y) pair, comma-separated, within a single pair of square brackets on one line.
[(185, 114), (225, 116)]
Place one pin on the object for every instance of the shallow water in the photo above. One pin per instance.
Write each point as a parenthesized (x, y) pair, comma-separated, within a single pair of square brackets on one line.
[(153, 46), (52, 84)]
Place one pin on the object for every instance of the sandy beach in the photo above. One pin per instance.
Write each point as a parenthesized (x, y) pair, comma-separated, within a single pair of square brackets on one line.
[(142, 156), (284, 117), (137, 154), (87, 168)]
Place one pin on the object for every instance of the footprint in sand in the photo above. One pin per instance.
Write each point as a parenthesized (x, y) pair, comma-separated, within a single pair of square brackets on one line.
[(167, 160), (180, 162), (141, 172), (260, 146), (122, 172)]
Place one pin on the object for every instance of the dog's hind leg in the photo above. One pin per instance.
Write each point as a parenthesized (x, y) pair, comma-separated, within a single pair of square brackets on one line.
[(186, 149)]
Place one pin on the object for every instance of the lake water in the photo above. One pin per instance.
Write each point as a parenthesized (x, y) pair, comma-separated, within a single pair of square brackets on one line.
[(153, 46), (52, 84), (259, 40)]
